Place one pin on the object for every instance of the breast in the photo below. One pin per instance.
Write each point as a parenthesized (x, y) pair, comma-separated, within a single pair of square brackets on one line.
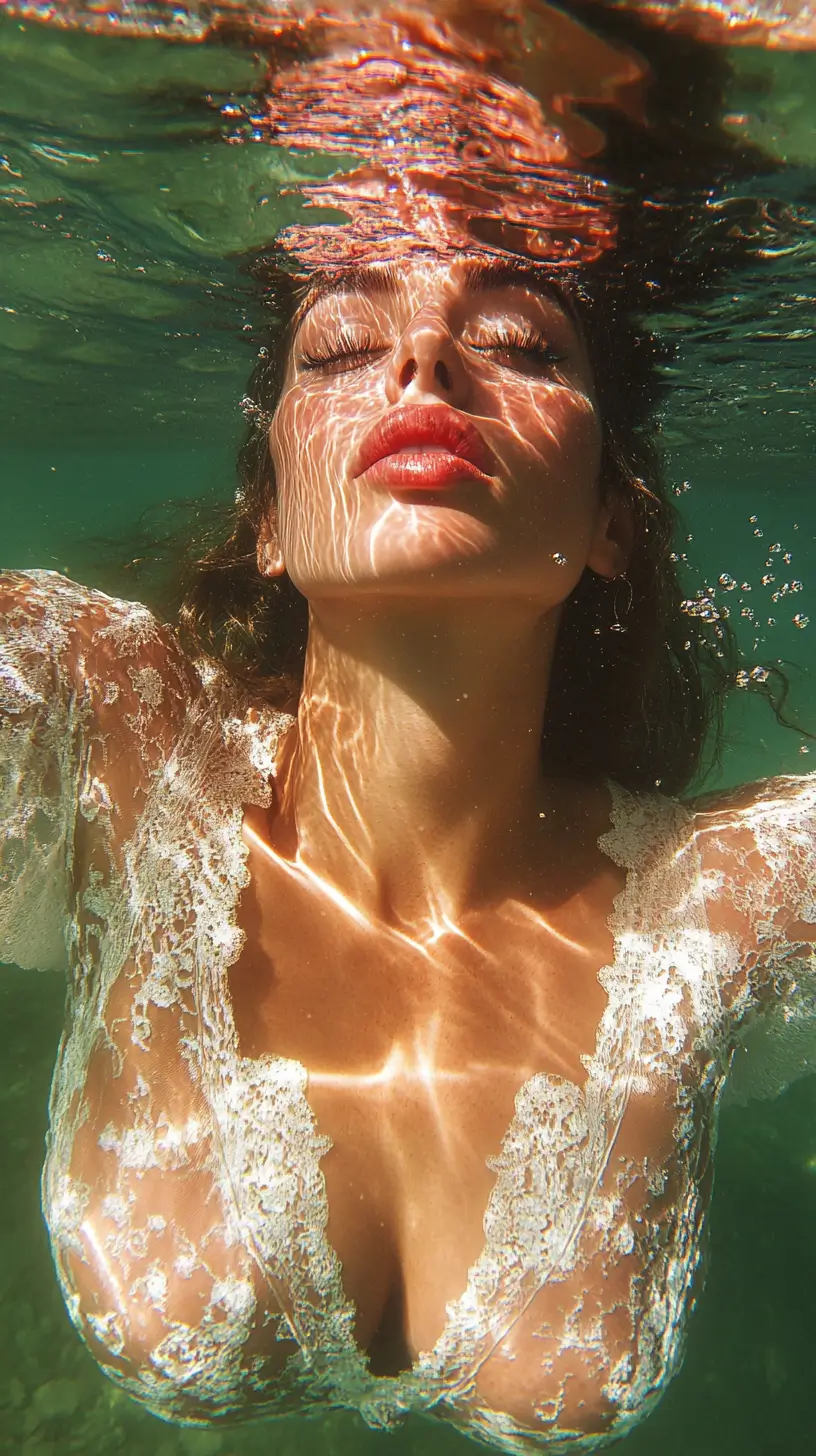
[(574, 1313), (512, 1193)]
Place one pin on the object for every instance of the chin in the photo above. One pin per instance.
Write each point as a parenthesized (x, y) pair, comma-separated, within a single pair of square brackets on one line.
[(395, 555)]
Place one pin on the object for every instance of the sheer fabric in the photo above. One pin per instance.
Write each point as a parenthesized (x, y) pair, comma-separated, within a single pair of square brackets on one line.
[(183, 1188)]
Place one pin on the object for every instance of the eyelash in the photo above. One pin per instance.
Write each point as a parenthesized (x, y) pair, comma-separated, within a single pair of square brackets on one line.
[(522, 340), (348, 350)]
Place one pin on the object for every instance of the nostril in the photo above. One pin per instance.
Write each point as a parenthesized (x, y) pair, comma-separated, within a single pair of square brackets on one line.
[(407, 373), (443, 374)]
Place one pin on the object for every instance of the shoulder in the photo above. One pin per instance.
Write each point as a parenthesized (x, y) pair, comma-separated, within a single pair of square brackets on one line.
[(766, 819), (756, 848), (770, 815), (49, 597), (98, 673), (101, 647)]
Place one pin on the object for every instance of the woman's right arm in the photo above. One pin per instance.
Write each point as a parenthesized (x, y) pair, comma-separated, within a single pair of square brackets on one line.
[(157, 1271), (43, 714), (93, 692)]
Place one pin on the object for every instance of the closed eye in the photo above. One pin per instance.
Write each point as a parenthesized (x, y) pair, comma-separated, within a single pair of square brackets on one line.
[(521, 346), (348, 351)]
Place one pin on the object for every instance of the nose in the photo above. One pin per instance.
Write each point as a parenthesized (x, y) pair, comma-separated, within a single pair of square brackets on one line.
[(427, 361)]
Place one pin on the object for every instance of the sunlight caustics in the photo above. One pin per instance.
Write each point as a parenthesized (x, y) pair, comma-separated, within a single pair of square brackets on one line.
[(394, 1058)]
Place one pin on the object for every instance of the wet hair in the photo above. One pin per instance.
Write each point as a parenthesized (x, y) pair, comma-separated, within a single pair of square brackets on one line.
[(640, 673)]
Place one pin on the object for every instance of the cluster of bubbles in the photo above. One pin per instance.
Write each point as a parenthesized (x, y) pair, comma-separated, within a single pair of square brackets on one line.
[(704, 607), (774, 579)]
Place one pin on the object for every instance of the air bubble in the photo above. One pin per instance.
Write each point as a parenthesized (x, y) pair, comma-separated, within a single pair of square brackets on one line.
[(727, 582), (746, 586), (759, 674), (800, 620), (703, 607), (803, 748), (559, 558), (757, 532), (777, 546)]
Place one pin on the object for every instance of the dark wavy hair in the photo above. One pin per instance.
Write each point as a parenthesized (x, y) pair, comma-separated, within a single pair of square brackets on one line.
[(640, 673)]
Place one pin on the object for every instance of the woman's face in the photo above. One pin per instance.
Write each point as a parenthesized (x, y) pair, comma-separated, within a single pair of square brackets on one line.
[(437, 435)]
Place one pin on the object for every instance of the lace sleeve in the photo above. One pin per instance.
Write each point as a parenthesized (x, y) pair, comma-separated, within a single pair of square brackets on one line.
[(42, 716), (123, 777), (759, 858)]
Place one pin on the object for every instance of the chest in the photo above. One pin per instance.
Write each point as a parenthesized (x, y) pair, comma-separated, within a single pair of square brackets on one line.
[(417, 1056), (463, 1157)]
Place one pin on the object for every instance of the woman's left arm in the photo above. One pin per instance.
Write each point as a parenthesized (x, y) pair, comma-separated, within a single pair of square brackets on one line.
[(758, 861)]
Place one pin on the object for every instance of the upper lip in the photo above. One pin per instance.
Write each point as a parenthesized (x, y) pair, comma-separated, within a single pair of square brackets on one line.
[(420, 425)]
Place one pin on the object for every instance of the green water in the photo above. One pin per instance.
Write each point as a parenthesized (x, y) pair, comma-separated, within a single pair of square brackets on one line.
[(126, 335)]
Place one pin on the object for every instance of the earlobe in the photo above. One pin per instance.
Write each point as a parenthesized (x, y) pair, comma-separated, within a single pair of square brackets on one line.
[(611, 548), (269, 554)]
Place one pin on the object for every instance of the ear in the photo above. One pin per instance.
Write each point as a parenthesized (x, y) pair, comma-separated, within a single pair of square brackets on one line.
[(268, 552), (611, 546)]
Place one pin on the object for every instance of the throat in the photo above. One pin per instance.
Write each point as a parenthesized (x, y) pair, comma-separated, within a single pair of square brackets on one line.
[(412, 774)]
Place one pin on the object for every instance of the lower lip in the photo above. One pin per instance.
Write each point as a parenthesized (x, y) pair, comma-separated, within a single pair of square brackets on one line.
[(423, 470)]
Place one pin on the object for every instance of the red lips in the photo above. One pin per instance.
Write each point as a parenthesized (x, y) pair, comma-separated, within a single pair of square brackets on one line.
[(424, 447)]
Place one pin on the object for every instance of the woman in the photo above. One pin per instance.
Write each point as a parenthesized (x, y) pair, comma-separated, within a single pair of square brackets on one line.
[(396, 1032), (401, 1000)]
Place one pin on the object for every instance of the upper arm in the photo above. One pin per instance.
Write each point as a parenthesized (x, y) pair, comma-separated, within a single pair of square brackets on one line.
[(41, 715), (758, 855), (92, 691), (758, 858)]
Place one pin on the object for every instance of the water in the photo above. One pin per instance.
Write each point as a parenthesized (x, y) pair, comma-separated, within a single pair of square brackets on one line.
[(130, 195)]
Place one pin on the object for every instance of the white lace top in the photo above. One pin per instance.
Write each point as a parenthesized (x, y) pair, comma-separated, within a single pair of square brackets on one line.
[(183, 1187)]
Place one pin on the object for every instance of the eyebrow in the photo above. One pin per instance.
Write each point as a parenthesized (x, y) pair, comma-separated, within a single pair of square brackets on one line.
[(383, 280), (369, 281)]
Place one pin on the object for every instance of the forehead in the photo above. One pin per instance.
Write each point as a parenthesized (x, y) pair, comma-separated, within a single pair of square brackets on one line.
[(418, 280)]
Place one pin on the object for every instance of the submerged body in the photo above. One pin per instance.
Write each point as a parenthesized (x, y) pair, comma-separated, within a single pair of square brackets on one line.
[(298, 1157)]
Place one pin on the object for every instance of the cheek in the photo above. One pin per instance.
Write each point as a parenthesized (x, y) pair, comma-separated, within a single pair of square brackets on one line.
[(558, 447), (297, 437), (574, 430), (300, 444), (318, 517), (583, 448)]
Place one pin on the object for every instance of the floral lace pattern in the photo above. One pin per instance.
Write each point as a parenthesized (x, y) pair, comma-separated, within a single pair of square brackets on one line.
[(183, 1185)]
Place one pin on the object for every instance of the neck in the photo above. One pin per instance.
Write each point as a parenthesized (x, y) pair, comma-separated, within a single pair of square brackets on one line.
[(412, 783)]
